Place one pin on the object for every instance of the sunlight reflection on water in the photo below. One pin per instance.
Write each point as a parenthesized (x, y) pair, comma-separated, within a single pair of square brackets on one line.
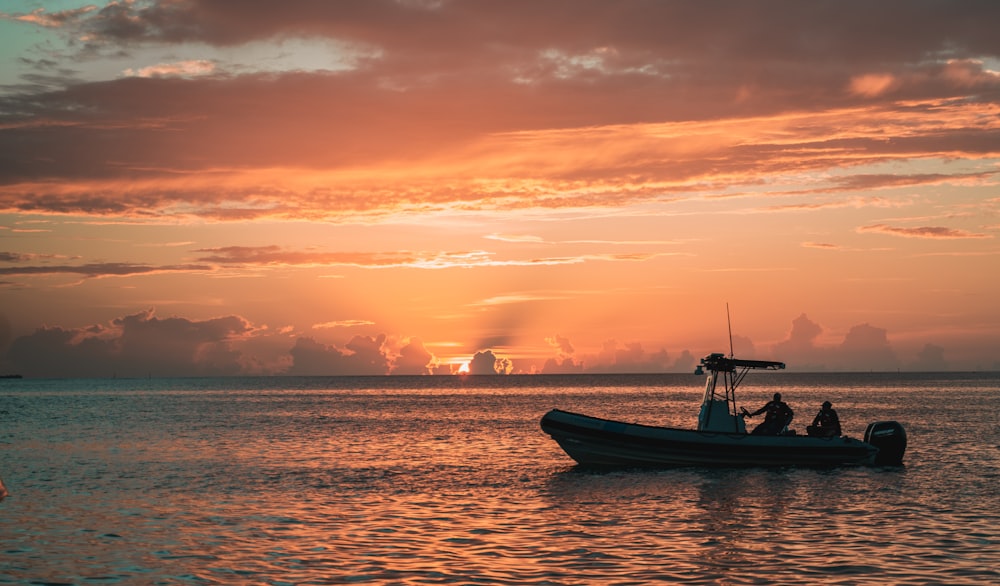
[(239, 483)]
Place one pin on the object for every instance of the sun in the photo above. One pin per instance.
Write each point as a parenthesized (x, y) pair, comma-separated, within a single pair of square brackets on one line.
[(464, 369)]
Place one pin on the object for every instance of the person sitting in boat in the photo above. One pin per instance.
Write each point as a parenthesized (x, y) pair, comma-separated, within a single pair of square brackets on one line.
[(826, 423), (778, 416)]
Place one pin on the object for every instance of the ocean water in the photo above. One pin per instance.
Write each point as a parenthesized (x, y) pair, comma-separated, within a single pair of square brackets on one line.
[(449, 480)]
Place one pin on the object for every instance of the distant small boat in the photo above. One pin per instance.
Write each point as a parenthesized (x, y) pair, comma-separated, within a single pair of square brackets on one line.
[(721, 438)]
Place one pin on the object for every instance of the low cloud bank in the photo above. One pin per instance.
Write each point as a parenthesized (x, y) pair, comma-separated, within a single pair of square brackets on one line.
[(142, 344)]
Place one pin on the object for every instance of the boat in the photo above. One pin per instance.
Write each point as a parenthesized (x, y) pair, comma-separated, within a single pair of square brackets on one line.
[(721, 438)]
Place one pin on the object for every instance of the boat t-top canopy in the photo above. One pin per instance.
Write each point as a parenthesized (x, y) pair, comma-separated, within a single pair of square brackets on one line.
[(718, 410), (719, 363)]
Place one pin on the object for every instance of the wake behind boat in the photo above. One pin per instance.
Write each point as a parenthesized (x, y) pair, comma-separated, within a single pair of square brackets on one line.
[(721, 438)]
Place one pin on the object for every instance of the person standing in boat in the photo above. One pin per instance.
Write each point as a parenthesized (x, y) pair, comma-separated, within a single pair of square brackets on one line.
[(778, 415), (826, 423)]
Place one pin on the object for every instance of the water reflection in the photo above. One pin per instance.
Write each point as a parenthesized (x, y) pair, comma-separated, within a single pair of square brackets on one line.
[(460, 486), (744, 525)]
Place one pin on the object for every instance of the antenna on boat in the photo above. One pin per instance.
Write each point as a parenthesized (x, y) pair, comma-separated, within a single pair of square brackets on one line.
[(729, 322)]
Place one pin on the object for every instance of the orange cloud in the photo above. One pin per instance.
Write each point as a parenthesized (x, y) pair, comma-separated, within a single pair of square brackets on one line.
[(190, 68), (350, 323), (43, 18), (277, 256), (873, 84), (935, 232), (99, 270)]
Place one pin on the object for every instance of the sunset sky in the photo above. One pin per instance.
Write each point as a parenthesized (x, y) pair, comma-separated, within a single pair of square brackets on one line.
[(204, 187)]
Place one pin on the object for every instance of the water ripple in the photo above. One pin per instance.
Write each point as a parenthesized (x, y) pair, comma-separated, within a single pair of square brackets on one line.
[(459, 486)]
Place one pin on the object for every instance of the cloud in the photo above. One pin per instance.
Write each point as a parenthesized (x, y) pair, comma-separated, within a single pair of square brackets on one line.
[(873, 84), (347, 323), (43, 18), (220, 260), (591, 42), (413, 359), (136, 345), (630, 358), (561, 365), (866, 347), (454, 106), (800, 349), (626, 358), (142, 344), (932, 232), (362, 356), (486, 362), (515, 238), (954, 73), (685, 362), (930, 359), (563, 362), (100, 270), (743, 347), (188, 68), (561, 343), (866, 181), (278, 256)]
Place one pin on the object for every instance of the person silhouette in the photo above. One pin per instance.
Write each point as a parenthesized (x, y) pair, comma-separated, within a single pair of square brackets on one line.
[(826, 423), (778, 416)]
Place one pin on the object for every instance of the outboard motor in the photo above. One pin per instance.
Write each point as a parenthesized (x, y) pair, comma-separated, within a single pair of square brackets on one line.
[(890, 439)]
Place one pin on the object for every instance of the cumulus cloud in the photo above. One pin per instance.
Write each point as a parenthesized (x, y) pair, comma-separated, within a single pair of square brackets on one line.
[(866, 347), (563, 362), (133, 346), (685, 362), (486, 362), (142, 344), (800, 350), (561, 343), (362, 356), (743, 347), (930, 359), (561, 365), (413, 358), (629, 358)]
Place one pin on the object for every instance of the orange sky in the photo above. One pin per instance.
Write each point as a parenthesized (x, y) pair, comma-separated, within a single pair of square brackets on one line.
[(195, 187)]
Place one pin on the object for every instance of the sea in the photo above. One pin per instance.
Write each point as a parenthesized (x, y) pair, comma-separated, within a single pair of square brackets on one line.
[(450, 480)]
